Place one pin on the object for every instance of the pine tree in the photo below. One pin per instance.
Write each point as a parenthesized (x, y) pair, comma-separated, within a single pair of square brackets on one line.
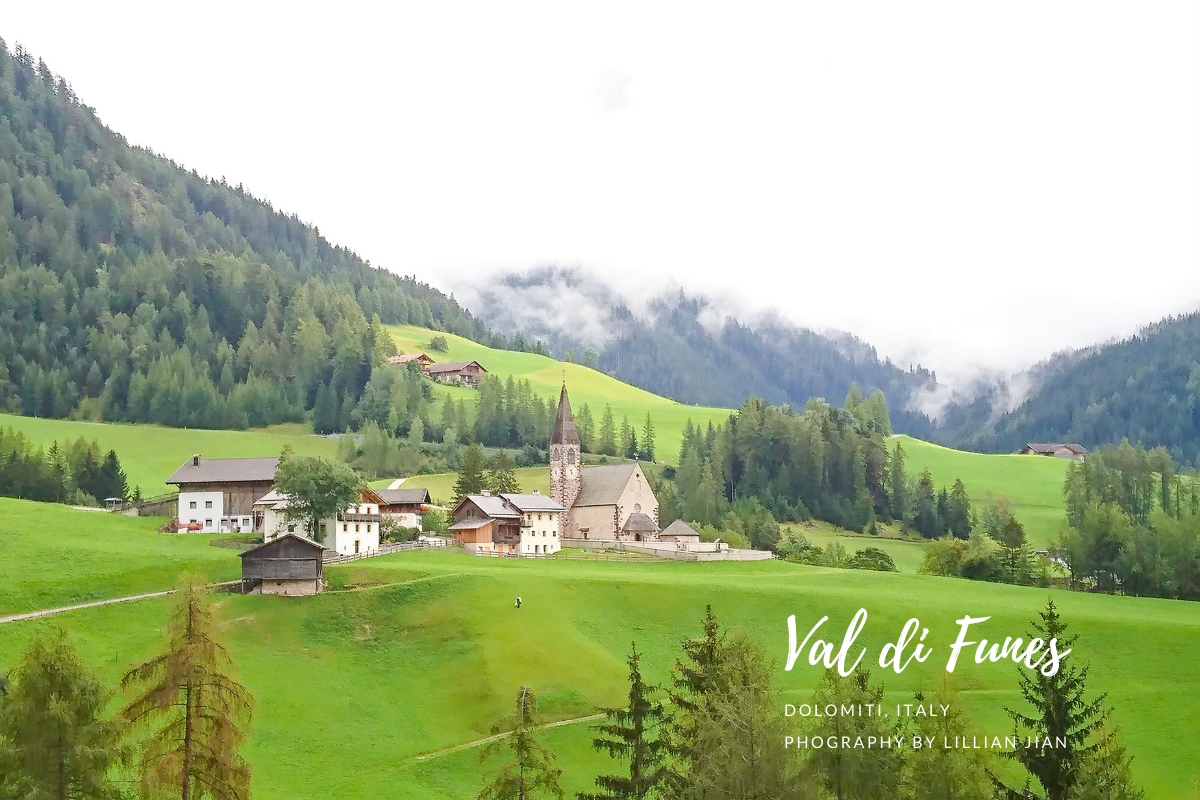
[(1060, 714), (631, 448), (54, 741), (471, 479), (849, 773), (112, 481), (1106, 773), (899, 489), (325, 411), (623, 442), (502, 477), (944, 772), (608, 433), (586, 427), (532, 771), (646, 451), (195, 711), (634, 733)]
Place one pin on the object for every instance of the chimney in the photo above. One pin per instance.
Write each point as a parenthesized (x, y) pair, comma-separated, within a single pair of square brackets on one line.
[(196, 460), (485, 493), (537, 491)]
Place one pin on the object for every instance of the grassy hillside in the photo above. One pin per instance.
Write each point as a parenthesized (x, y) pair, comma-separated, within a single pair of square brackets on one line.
[(585, 385), (441, 485), (432, 654), (52, 555), (1032, 485), (150, 453)]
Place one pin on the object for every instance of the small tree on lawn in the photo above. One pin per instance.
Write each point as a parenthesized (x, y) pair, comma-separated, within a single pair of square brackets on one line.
[(1059, 712), (194, 711), (1105, 774), (319, 488), (502, 476), (54, 741), (634, 733), (532, 772), (471, 479)]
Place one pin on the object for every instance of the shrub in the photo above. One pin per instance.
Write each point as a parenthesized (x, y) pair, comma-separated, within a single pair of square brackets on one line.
[(874, 559)]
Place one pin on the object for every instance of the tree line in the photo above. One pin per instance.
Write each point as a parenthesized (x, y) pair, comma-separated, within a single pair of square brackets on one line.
[(77, 472), (716, 731)]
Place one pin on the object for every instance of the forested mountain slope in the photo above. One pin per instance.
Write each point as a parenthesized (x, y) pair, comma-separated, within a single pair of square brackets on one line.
[(1145, 388), (136, 289)]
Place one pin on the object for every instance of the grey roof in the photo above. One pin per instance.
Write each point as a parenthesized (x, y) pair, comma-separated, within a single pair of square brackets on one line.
[(1050, 447), (678, 528), (533, 502), (452, 366), (639, 523), (226, 470), (470, 524), (490, 504), (602, 486), (395, 497), (564, 422), (296, 536)]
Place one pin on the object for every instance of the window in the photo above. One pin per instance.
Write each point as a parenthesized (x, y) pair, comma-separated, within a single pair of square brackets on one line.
[(356, 527), (539, 517), (208, 523), (208, 503), (368, 527), (245, 520), (192, 505), (356, 546), (191, 522), (291, 528), (345, 527)]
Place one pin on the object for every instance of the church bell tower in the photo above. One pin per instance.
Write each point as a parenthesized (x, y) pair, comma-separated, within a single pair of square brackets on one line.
[(566, 462)]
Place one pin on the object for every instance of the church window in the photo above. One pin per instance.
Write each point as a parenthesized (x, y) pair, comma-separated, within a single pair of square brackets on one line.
[(637, 507)]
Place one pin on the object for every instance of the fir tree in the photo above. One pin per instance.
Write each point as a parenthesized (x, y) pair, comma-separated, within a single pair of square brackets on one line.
[(608, 433), (898, 496), (586, 427), (194, 711), (646, 451), (325, 411), (623, 443), (471, 478), (54, 741), (1059, 714), (635, 734), (1106, 773), (532, 772), (631, 448), (502, 477)]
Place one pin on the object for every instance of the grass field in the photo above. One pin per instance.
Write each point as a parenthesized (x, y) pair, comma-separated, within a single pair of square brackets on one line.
[(351, 687), (441, 484), (585, 386), (150, 453), (1032, 485), (907, 554)]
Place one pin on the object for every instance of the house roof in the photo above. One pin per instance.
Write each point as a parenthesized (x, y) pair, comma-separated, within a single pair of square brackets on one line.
[(564, 422), (640, 523), (453, 366), (603, 485), (470, 524), (279, 500), (295, 536), (396, 497), (226, 470), (678, 528), (1050, 447), (533, 502), (404, 358), (490, 504)]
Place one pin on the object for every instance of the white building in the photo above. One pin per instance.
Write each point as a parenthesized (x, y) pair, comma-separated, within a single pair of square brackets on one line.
[(541, 517), (355, 530), (508, 524), (217, 495)]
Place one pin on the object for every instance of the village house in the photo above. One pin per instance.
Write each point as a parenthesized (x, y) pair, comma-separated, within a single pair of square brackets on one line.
[(462, 373), (1055, 449), (288, 565), (405, 358), (217, 495), (404, 506), (608, 502), (354, 531), (508, 524)]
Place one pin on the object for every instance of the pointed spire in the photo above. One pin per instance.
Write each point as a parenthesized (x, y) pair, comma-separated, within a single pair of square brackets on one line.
[(564, 422)]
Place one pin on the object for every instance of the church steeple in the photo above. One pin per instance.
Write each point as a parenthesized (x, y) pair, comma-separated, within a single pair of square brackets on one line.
[(566, 456)]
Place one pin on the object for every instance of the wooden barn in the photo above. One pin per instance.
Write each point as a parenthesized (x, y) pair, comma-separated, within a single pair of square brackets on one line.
[(290, 565), (1055, 450), (463, 373)]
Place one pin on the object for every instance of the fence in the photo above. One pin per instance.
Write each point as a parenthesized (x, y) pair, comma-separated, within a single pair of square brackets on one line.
[(397, 547)]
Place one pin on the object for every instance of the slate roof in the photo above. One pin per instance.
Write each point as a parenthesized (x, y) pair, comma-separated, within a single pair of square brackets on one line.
[(295, 536), (564, 422), (678, 528), (490, 504), (226, 470), (452, 366), (396, 497), (533, 502), (639, 523), (1050, 447), (602, 486), (470, 524)]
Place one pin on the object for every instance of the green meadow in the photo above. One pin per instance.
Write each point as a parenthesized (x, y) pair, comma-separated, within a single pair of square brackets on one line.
[(353, 687), (1031, 485), (150, 453), (585, 386), (441, 484)]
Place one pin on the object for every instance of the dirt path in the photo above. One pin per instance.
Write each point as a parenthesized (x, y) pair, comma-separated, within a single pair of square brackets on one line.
[(49, 612), (468, 745)]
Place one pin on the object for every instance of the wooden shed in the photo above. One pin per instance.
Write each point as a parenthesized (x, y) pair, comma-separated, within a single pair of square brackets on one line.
[(289, 565)]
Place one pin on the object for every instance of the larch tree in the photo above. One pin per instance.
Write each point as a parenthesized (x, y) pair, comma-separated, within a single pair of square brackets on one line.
[(192, 710), (1106, 773), (532, 771), (946, 772), (854, 773), (471, 477), (54, 740), (634, 734)]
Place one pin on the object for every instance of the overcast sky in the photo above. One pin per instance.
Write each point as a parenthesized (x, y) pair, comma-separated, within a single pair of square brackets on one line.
[(965, 183)]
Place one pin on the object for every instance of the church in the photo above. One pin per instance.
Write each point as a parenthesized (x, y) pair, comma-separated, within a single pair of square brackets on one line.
[(608, 502)]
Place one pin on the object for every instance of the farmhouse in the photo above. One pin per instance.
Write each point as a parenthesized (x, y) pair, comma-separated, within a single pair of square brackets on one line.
[(217, 495), (405, 358), (355, 530), (404, 506), (463, 373), (288, 565), (524, 524), (607, 502), (1055, 449)]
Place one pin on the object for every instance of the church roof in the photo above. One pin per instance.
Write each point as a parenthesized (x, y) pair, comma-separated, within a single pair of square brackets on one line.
[(679, 528), (564, 422), (602, 486), (640, 523)]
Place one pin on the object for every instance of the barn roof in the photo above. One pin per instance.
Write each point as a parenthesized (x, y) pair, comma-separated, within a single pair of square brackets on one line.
[(277, 539), (1050, 447), (491, 504), (404, 358), (564, 422), (533, 502), (678, 528), (639, 523), (225, 470), (603, 485), (470, 524), (395, 497), (453, 366)]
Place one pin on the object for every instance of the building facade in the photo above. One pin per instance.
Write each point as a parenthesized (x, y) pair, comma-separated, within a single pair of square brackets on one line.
[(508, 524), (463, 373), (354, 531), (289, 565), (217, 495)]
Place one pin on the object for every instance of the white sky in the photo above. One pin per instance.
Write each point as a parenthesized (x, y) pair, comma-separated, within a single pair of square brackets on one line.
[(964, 183)]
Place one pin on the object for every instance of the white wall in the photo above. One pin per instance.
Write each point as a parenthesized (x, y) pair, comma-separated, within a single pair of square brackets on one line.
[(539, 535), (344, 535), (201, 513)]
